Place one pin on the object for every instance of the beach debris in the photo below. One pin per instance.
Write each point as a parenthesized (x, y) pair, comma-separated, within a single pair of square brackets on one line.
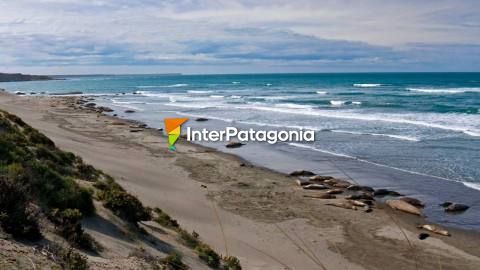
[(413, 201), (203, 186), (335, 191), (321, 196), (320, 178), (129, 111), (302, 173), (456, 207), (302, 182), (434, 229), (234, 145), (315, 187), (358, 188), (404, 207), (201, 119), (423, 236), (344, 204)]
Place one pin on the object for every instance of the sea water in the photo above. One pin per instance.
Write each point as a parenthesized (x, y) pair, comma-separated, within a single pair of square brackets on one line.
[(424, 124)]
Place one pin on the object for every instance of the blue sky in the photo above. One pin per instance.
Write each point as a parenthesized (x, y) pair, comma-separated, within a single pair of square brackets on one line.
[(220, 36)]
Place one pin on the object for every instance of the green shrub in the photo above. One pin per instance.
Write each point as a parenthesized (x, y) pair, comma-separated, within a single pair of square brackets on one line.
[(87, 172), (67, 223), (208, 255), (38, 138), (231, 263), (61, 192), (165, 220), (125, 205), (14, 216), (72, 260), (190, 240), (173, 262)]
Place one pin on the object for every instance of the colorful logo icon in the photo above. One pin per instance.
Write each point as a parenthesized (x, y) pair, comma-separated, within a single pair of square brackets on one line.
[(172, 126)]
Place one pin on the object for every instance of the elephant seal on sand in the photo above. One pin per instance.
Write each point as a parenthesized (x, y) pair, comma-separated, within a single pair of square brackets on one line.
[(434, 229), (413, 201), (344, 204), (404, 206)]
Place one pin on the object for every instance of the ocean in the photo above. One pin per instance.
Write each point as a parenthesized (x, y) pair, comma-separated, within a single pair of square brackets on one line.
[(417, 132)]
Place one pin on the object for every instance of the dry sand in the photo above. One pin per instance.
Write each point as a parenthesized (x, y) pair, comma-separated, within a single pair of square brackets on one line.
[(256, 214)]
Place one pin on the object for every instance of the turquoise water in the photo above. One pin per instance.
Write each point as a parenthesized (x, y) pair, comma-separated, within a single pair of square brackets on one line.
[(427, 123)]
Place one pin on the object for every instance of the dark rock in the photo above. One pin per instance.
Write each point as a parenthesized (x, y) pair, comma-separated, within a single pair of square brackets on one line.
[(242, 164), (203, 186), (18, 93), (201, 119), (302, 173), (423, 236), (115, 114), (143, 126), (234, 145), (413, 201), (160, 129), (456, 207), (33, 93), (129, 111)]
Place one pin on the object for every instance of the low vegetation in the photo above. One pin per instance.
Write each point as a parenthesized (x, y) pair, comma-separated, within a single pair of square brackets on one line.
[(40, 182)]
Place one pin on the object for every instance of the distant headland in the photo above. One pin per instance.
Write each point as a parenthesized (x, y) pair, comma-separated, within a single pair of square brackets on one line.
[(18, 77)]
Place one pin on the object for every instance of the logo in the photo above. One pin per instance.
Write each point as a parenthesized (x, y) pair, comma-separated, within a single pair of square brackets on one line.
[(172, 126)]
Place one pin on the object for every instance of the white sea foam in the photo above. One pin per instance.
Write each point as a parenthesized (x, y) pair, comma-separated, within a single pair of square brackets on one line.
[(371, 162), (337, 102), (294, 106), (467, 124), (162, 86), (472, 185), (399, 137), (357, 102), (268, 84), (217, 96), (367, 84), (446, 90), (235, 97), (199, 92), (205, 116), (322, 92), (235, 82)]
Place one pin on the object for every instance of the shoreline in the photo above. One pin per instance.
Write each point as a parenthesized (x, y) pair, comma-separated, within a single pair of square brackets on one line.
[(264, 208)]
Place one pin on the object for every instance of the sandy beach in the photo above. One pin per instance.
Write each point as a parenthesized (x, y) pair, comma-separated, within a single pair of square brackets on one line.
[(256, 214)]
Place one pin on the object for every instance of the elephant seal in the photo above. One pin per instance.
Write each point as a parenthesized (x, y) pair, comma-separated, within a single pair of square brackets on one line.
[(413, 201), (456, 207), (320, 178), (234, 145), (302, 173), (434, 229), (344, 204), (404, 206), (360, 188), (423, 236), (361, 196), (315, 186), (335, 191), (321, 196)]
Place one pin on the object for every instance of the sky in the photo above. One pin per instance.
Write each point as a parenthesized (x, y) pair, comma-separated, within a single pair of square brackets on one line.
[(238, 36)]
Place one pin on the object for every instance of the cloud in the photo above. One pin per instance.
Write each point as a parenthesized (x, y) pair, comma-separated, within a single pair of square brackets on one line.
[(244, 36)]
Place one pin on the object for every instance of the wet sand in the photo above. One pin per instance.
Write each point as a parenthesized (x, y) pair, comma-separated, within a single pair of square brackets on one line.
[(256, 214)]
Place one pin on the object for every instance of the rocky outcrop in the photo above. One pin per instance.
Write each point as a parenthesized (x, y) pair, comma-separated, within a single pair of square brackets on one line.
[(18, 77)]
